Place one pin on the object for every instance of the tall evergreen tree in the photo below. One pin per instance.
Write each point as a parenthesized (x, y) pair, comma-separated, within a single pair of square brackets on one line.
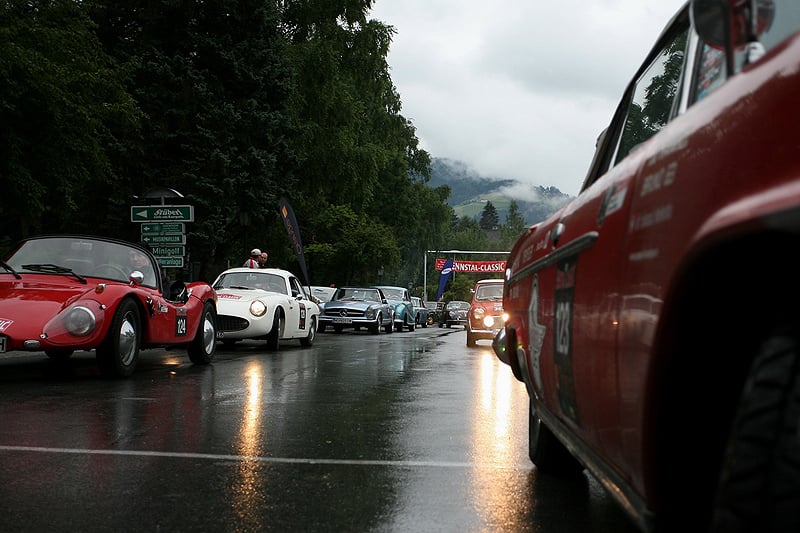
[(489, 217)]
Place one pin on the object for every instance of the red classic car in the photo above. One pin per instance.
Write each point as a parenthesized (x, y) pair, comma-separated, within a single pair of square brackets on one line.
[(485, 316), (63, 293), (654, 319)]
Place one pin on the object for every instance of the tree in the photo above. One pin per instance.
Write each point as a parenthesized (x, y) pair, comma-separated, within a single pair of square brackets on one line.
[(489, 217), (514, 226), (63, 107)]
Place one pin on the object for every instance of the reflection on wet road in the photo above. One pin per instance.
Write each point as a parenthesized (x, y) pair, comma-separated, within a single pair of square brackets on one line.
[(406, 431)]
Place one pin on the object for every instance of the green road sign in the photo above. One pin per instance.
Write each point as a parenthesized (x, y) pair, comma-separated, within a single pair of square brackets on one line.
[(170, 262), (168, 251), (172, 238), (159, 228), (157, 213)]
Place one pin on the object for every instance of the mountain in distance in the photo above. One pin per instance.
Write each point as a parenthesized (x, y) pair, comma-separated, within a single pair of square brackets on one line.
[(469, 193)]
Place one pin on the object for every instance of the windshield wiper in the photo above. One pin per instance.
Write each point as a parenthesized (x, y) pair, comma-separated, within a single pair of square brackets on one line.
[(10, 269), (50, 267)]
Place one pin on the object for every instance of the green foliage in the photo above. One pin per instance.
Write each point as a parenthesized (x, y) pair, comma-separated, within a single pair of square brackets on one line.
[(489, 217)]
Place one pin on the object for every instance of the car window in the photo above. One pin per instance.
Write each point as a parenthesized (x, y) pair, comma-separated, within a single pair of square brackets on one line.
[(488, 292), (654, 95)]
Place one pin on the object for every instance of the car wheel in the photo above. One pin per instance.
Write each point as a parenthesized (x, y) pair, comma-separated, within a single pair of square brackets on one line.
[(118, 354), (59, 355), (759, 488), (411, 326), (276, 332), (546, 451), (376, 327), (204, 345), (308, 340), (388, 328), (398, 326)]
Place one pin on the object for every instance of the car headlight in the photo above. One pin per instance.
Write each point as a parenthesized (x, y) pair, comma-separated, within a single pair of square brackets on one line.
[(488, 321), (369, 314), (478, 313), (79, 321), (257, 308)]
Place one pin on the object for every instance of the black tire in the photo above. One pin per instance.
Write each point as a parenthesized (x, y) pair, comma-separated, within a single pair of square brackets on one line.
[(118, 354), (275, 334), (376, 327), (398, 326), (204, 345), (759, 487), (547, 452), (411, 325), (58, 354), (388, 328), (308, 340)]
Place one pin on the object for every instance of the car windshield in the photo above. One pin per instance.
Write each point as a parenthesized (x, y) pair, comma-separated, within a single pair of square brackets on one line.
[(458, 305), (489, 292), (84, 257), (363, 295), (393, 294), (252, 279)]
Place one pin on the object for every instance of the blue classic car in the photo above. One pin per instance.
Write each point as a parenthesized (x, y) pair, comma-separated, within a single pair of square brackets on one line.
[(357, 307), (400, 300)]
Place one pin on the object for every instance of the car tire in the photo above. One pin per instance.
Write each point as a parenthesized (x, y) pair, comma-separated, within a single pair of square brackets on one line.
[(759, 487), (275, 334), (308, 340), (547, 452), (411, 325), (204, 345), (118, 354), (376, 327), (388, 328)]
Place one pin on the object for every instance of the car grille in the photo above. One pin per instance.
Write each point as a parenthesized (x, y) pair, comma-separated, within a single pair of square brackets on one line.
[(340, 312), (231, 323)]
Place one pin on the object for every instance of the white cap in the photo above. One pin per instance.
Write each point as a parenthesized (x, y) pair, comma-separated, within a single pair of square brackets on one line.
[(255, 251)]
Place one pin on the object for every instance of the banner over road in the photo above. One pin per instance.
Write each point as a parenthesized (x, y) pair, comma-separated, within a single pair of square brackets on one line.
[(474, 266)]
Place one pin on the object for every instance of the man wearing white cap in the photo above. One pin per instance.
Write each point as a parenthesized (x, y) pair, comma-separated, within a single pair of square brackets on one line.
[(252, 262)]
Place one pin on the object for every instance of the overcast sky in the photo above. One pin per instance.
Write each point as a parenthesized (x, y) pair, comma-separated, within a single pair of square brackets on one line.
[(517, 88)]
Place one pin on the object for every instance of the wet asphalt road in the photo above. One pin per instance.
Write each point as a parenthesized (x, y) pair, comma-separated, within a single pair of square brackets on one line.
[(395, 432)]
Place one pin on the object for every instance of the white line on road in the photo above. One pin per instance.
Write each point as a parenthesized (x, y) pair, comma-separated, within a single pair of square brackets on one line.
[(283, 460)]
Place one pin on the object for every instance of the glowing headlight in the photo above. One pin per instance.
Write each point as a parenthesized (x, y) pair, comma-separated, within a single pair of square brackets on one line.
[(488, 321), (478, 313), (79, 321), (257, 308)]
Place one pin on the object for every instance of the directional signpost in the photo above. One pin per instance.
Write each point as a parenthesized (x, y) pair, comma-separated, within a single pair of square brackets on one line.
[(164, 230), (161, 213)]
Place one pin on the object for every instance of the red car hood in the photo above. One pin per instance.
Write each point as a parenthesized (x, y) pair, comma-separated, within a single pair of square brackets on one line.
[(26, 306)]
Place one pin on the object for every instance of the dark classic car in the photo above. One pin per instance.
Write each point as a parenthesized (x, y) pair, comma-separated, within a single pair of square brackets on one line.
[(654, 318), (357, 307), (62, 293), (454, 313)]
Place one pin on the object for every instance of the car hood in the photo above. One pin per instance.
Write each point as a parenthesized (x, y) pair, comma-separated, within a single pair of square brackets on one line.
[(340, 304), (243, 295), (26, 306)]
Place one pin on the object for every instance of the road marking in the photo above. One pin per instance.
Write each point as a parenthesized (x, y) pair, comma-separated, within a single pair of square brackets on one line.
[(256, 458)]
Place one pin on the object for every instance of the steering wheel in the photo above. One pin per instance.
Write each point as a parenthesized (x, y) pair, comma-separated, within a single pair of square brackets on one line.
[(114, 269)]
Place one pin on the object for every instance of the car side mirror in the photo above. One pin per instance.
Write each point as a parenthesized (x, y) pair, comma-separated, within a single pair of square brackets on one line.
[(732, 24), (136, 277)]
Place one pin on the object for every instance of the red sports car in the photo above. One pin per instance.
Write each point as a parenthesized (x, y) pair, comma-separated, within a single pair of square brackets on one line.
[(64, 293)]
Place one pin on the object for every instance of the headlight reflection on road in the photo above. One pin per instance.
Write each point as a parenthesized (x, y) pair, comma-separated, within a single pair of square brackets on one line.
[(248, 489), (496, 438)]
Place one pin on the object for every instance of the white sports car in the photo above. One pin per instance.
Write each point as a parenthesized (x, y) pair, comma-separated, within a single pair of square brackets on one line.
[(268, 303)]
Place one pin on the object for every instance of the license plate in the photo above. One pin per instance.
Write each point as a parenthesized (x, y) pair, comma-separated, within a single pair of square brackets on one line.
[(342, 320), (2, 343)]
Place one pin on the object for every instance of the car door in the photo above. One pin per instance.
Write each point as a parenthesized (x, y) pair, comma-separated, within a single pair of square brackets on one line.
[(296, 314), (581, 257)]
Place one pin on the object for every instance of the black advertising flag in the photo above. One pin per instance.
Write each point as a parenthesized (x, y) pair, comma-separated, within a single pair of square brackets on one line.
[(290, 222)]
